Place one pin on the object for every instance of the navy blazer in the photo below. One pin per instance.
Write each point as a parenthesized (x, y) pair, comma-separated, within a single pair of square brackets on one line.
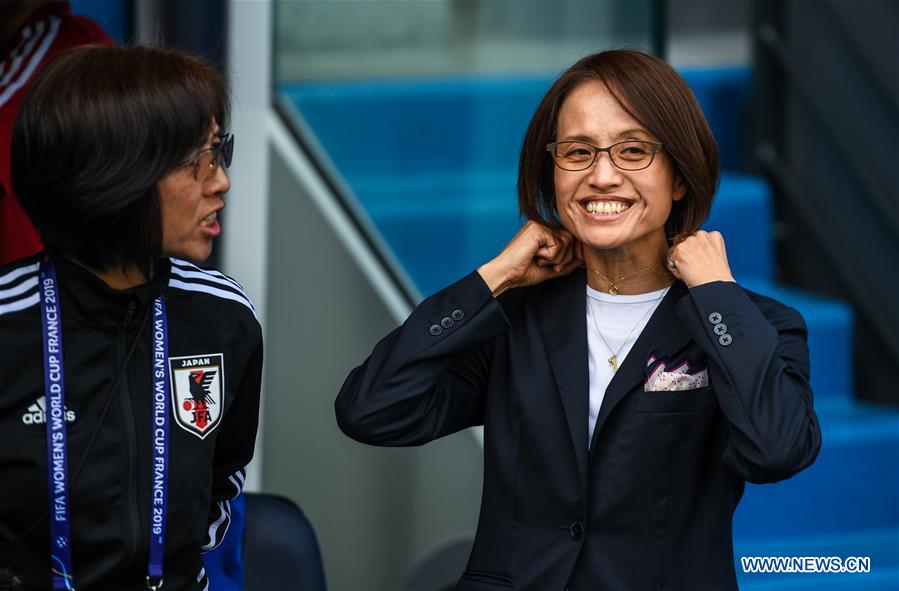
[(649, 503)]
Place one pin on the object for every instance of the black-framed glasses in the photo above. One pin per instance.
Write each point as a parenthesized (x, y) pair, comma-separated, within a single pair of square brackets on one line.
[(628, 155), (206, 162)]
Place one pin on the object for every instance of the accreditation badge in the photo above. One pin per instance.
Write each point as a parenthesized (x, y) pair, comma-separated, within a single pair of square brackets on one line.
[(198, 392)]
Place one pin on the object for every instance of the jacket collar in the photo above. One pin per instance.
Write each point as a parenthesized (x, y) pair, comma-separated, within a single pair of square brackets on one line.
[(562, 314), (563, 319), (97, 303)]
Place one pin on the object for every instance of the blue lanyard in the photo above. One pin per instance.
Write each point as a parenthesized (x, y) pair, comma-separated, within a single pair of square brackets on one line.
[(55, 419), (160, 443), (57, 449)]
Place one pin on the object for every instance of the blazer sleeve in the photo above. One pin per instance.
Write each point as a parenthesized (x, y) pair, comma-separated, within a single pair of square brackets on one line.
[(760, 376), (428, 377)]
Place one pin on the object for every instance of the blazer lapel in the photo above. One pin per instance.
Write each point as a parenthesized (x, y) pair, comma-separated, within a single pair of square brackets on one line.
[(664, 333), (563, 319)]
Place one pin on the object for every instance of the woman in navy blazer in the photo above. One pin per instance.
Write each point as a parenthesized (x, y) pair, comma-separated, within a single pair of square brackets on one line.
[(627, 385)]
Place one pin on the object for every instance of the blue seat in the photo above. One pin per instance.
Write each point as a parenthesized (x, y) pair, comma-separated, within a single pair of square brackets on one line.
[(280, 550), (224, 565)]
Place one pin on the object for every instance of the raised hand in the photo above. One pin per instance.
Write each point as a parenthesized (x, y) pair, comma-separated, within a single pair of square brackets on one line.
[(700, 258), (536, 253)]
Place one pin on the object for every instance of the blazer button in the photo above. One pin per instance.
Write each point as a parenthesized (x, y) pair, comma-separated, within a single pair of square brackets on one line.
[(458, 315), (720, 329), (714, 318), (576, 531), (435, 329), (446, 322), (725, 340)]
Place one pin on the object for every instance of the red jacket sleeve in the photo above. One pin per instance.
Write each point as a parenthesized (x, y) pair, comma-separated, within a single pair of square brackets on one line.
[(51, 30)]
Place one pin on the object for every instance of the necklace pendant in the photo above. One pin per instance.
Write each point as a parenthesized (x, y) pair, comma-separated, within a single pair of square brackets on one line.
[(613, 289), (613, 361)]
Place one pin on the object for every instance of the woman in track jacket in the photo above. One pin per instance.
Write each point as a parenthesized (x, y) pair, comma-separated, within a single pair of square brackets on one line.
[(129, 380)]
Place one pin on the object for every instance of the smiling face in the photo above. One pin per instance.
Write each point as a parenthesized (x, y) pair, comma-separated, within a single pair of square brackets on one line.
[(190, 207), (604, 207)]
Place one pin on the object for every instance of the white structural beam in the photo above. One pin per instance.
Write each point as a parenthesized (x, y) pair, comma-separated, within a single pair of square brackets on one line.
[(245, 239), (320, 195)]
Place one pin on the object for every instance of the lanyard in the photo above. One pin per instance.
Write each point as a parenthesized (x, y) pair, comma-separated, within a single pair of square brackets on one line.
[(57, 449)]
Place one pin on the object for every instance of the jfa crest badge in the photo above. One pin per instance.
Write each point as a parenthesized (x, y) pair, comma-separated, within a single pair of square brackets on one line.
[(198, 392)]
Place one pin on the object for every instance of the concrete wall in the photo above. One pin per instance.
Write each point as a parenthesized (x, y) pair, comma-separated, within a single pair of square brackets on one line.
[(376, 511)]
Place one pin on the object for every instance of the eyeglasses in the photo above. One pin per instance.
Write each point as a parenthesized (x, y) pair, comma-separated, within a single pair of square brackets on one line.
[(206, 162), (629, 155)]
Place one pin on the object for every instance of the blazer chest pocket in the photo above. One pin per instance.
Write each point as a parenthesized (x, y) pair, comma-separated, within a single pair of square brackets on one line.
[(676, 401)]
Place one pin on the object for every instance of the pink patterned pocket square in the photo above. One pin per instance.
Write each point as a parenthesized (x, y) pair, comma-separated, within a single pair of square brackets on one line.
[(660, 378)]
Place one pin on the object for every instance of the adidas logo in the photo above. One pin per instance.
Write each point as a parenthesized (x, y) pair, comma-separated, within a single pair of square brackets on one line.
[(37, 413)]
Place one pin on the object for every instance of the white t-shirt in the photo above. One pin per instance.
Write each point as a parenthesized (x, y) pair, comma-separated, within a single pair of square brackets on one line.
[(621, 319)]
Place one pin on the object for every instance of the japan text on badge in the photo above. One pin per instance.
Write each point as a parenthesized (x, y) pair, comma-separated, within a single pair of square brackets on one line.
[(198, 392)]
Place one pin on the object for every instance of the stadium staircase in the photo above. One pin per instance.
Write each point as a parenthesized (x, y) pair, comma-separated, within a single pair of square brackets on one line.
[(433, 163)]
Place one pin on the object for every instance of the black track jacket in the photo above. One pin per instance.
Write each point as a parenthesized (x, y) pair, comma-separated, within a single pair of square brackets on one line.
[(215, 346)]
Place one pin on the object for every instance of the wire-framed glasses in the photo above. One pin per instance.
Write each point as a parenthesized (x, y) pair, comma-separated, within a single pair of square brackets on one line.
[(206, 162), (627, 155)]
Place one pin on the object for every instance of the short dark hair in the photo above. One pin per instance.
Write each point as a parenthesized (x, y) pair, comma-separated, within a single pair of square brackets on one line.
[(98, 129), (654, 94)]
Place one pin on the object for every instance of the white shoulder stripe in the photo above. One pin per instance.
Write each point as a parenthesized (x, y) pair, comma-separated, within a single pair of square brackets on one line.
[(221, 293), (19, 289), (212, 272), (20, 304), (16, 273), (32, 63), (205, 277)]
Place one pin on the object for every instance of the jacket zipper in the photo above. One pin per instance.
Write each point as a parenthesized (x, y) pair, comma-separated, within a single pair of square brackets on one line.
[(131, 444)]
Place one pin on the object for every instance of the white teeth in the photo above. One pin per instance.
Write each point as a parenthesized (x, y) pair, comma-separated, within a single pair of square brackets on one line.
[(210, 218), (606, 207)]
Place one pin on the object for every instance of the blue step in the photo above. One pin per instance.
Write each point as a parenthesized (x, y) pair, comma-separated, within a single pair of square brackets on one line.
[(830, 328), (881, 546), (742, 213), (724, 95), (441, 227), (456, 124), (439, 126), (853, 485)]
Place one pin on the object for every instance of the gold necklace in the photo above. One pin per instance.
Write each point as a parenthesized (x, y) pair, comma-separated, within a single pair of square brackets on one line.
[(613, 360), (613, 285)]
